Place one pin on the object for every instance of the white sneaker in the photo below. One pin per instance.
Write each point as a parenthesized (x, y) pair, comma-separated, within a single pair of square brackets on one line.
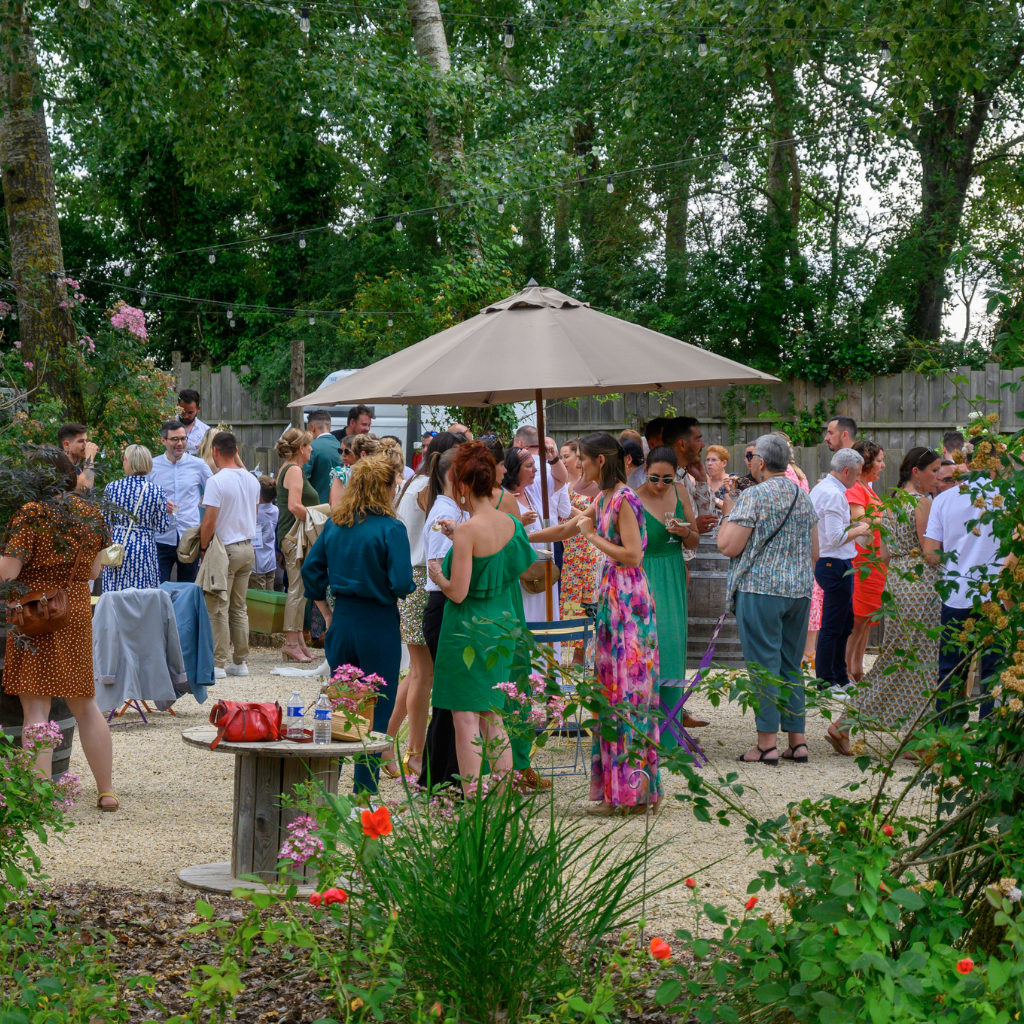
[(219, 673), (841, 692), (241, 669)]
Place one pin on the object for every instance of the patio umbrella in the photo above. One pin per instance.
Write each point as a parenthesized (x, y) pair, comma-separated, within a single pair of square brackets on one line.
[(535, 344)]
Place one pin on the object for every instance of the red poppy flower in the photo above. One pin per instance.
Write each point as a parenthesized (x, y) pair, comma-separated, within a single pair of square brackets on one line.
[(335, 896), (690, 884), (660, 949), (436, 1010), (377, 823), (965, 966), (887, 830), (315, 898), (751, 903)]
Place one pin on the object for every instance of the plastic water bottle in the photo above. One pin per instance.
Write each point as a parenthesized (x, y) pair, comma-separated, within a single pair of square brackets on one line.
[(322, 721), (294, 729)]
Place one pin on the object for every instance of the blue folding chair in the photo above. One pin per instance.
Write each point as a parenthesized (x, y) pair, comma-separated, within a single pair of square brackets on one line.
[(562, 632)]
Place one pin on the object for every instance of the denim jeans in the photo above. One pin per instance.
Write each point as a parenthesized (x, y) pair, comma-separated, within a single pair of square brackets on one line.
[(167, 559), (951, 655), (836, 581)]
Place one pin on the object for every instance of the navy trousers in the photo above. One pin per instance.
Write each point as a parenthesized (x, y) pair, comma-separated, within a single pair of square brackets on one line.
[(167, 559), (953, 674), (836, 581)]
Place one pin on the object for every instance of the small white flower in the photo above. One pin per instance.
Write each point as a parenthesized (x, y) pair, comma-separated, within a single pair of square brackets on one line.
[(1014, 895), (974, 415)]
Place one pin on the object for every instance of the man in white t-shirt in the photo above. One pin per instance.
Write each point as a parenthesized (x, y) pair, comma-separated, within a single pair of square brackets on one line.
[(230, 499), (970, 557), (558, 476)]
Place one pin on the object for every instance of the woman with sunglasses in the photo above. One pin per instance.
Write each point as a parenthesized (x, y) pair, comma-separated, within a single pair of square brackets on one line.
[(671, 526)]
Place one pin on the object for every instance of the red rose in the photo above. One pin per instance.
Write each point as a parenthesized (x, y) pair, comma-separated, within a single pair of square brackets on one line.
[(660, 949), (377, 823), (690, 884), (965, 966), (335, 896), (751, 903), (315, 898), (887, 830)]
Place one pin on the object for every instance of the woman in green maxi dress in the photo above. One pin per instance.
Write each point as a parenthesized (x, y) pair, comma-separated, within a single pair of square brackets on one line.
[(668, 515), (480, 578)]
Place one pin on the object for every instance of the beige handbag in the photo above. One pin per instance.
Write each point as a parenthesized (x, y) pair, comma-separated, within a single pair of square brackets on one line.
[(532, 579), (113, 554)]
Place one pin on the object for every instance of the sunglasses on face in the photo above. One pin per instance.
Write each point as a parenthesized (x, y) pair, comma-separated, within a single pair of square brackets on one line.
[(748, 456), (651, 479)]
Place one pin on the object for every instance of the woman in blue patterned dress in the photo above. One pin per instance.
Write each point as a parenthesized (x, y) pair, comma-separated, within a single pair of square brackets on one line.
[(143, 516)]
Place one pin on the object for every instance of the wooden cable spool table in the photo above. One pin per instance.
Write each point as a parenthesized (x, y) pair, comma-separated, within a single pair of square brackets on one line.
[(264, 774)]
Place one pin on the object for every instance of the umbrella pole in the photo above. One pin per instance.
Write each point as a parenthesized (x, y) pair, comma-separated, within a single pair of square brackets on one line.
[(545, 505)]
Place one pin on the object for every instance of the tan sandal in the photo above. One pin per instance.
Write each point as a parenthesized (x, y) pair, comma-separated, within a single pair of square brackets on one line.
[(837, 744), (99, 802)]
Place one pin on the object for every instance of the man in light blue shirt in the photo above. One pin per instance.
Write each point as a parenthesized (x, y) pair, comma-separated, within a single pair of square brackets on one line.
[(182, 477)]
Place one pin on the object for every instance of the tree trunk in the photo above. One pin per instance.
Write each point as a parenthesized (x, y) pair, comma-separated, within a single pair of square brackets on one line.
[(677, 223), (535, 254), (37, 262), (297, 383)]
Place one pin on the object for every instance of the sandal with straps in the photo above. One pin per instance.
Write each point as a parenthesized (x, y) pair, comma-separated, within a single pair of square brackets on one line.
[(99, 802), (772, 762), (790, 754)]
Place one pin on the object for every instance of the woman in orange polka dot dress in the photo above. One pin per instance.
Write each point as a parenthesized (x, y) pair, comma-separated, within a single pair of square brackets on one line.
[(59, 664)]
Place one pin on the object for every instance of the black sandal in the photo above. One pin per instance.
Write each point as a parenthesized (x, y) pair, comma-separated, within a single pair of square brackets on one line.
[(772, 762), (790, 754)]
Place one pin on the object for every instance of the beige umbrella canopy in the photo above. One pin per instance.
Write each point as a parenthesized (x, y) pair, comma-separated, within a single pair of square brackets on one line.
[(537, 342)]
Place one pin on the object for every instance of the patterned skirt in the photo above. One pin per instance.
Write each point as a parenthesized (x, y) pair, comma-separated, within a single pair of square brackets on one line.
[(411, 608)]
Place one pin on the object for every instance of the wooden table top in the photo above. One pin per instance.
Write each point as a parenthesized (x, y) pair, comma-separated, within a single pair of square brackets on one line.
[(204, 735)]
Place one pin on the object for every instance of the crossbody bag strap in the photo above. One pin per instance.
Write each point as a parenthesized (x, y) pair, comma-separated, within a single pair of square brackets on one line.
[(785, 519)]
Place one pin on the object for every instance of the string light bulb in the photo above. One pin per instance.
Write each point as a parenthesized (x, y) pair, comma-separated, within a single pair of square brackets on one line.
[(391, 322), (501, 206), (510, 35), (312, 320), (398, 223), (884, 52), (127, 270), (302, 239), (304, 21), (231, 322), (994, 104), (212, 257), (609, 185), (725, 161), (702, 44), (231, 314), (84, 4), (143, 300)]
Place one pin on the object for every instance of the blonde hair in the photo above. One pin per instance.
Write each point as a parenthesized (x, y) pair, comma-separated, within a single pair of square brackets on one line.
[(291, 441), (370, 491), (633, 435), (139, 460), (717, 449), (365, 444)]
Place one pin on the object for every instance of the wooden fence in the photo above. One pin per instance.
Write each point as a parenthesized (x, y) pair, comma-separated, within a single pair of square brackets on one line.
[(898, 412)]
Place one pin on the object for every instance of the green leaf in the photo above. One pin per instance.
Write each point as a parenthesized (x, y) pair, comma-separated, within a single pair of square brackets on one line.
[(203, 909), (770, 993), (828, 912), (668, 992), (468, 656), (907, 898), (999, 972), (912, 984)]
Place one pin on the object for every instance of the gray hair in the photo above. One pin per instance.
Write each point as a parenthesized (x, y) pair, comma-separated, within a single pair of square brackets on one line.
[(774, 451), (846, 458)]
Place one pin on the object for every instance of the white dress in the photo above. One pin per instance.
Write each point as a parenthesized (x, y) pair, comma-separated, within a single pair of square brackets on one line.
[(535, 605)]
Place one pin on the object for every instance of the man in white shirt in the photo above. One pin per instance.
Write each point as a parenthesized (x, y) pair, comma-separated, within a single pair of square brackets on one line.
[(182, 478), (189, 404), (970, 558), (952, 442), (836, 550), (558, 496), (231, 499)]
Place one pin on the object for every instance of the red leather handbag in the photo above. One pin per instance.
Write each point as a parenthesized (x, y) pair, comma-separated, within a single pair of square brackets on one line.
[(245, 722)]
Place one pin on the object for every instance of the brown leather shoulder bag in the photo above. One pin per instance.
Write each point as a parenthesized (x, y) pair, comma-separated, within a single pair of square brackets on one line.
[(42, 611)]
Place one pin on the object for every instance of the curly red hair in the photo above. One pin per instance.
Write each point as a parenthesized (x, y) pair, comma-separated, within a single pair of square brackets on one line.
[(474, 470)]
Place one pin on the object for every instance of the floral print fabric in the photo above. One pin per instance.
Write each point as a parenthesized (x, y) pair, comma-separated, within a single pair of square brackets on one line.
[(579, 569), (627, 668)]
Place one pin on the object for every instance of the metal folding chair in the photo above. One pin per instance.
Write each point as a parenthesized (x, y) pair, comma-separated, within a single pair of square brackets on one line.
[(566, 630)]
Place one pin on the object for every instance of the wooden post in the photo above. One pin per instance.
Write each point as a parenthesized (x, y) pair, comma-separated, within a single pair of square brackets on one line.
[(545, 505), (297, 384)]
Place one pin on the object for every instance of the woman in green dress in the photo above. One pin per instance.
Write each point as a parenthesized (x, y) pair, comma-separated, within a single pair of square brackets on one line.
[(480, 578), (670, 522)]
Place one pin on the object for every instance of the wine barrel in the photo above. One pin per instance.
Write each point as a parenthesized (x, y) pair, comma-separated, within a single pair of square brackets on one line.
[(11, 719), (705, 600)]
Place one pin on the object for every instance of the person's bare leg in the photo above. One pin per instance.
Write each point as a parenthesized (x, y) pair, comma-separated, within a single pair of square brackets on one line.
[(35, 711), (398, 713), (856, 646), (294, 646), (468, 746), (765, 741), (810, 644), (496, 742), (417, 702), (96, 743)]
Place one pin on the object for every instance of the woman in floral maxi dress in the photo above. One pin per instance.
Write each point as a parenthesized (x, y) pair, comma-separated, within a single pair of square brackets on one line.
[(624, 771)]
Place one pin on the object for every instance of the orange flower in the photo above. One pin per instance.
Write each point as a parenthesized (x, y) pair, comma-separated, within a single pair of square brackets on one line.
[(436, 1010), (377, 823), (887, 830), (335, 896), (965, 966), (690, 884), (660, 949), (751, 903)]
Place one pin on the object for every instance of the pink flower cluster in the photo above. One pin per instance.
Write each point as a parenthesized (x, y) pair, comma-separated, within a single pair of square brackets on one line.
[(355, 687), (66, 791), (302, 842), (5, 310), (542, 710), (87, 343), (129, 318), (42, 734)]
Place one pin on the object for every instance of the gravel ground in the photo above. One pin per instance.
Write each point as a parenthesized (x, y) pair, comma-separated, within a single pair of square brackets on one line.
[(176, 801)]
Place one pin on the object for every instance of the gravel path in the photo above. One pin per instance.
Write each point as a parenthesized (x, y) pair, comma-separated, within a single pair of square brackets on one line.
[(176, 801)]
